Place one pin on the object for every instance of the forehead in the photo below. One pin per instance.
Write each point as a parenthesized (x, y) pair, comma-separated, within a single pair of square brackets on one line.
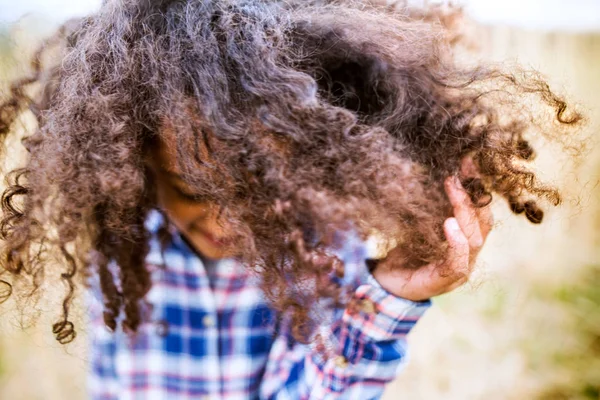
[(180, 145), (195, 148)]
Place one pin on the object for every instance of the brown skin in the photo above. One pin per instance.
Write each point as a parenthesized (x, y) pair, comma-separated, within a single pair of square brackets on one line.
[(195, 219), (466, 232), (376, 114)]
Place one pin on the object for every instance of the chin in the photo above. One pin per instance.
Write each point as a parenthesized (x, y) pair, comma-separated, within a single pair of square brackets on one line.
[(214, 254), (208, 250)]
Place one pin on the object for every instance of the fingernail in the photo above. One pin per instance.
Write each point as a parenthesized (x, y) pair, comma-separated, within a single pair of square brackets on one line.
[(453, 224)]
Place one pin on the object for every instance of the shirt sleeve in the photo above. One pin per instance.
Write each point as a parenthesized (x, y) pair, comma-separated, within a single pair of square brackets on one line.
[(367, 347)]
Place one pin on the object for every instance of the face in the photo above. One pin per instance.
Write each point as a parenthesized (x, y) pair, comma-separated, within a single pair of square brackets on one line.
[(198, 221)]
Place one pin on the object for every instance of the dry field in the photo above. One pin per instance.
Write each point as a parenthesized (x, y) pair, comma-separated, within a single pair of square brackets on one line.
[(528, 327)]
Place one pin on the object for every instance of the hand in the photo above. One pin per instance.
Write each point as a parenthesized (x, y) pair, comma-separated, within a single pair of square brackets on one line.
[(466, 233)]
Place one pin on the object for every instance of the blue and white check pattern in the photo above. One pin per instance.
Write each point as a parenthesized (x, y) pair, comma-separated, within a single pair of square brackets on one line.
[(221, 342)]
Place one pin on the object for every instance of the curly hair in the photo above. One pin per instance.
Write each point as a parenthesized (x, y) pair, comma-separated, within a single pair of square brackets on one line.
[(321, 116)]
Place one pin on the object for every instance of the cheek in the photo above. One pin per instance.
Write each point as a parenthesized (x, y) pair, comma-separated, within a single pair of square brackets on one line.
[(182, 213)]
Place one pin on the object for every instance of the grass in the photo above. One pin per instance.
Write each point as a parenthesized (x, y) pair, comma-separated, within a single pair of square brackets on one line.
[(578, 360)]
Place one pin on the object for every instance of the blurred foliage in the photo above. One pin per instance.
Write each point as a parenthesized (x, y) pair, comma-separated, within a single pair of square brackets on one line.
[(577, 359)]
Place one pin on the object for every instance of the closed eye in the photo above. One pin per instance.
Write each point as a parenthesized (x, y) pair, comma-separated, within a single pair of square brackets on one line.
[(187, 196)]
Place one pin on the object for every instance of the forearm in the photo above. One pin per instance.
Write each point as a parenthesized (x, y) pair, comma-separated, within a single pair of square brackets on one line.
[(354, 358)]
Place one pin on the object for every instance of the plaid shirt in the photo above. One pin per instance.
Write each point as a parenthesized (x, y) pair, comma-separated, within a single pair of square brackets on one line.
[(218, 339)]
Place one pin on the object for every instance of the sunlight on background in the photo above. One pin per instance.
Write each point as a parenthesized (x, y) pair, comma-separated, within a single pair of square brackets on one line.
[(575, 15), (11, 10), (529, 328)]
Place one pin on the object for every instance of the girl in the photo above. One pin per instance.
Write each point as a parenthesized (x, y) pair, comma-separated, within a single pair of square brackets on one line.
[(213, 169)]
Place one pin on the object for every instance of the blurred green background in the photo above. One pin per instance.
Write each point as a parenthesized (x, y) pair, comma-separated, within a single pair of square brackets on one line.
[(527, 327)]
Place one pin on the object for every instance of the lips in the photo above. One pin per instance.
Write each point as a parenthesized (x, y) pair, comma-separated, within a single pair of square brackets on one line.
[(215, 241)]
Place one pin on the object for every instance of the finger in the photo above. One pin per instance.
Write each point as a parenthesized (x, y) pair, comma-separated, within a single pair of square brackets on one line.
[(440, 279), (459, 249), (486, 220), (456, 269), (433, 279), (468, 168), (464, 212), (456, 265)]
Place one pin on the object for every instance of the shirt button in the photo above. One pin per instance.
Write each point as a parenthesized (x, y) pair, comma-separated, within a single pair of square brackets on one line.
[(208, 321), (162, 328), (367, 306), (341, 362)]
